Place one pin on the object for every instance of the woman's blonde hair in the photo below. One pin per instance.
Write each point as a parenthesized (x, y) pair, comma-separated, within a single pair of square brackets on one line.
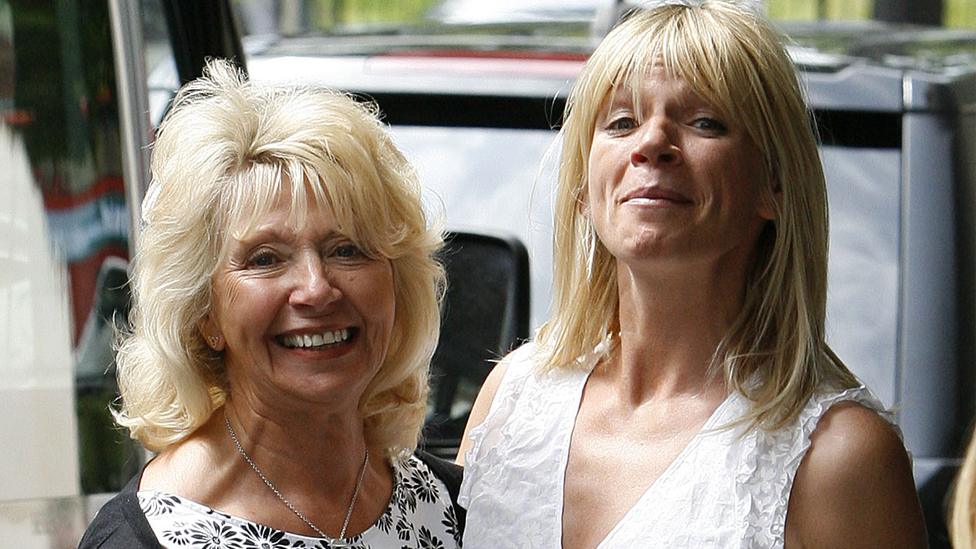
[(962, 515), (224, 153), (733, 59)]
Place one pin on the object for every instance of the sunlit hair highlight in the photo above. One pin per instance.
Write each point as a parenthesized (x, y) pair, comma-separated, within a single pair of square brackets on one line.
[(962, 513), (227, 153), (775, 352)]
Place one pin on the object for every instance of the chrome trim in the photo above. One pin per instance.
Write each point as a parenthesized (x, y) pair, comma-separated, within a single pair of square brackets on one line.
[(133, 98)]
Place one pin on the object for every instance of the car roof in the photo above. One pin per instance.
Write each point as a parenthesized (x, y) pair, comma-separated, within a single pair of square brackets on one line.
[(541, 59)]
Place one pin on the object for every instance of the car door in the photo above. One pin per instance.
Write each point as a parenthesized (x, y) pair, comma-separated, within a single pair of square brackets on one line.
[(73, 139)]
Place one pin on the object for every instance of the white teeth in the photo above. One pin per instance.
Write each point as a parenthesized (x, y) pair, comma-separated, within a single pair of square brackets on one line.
[(315, 340)]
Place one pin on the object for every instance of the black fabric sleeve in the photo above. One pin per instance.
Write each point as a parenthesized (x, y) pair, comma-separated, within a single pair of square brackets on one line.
[(120, 523), (450, 474)]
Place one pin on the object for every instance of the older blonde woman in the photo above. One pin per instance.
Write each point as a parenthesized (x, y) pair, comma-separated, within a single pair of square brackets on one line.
[(682, 394), (286, 309)]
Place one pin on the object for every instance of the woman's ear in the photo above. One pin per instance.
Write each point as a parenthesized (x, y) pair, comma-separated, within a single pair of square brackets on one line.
[(211, 333), (583, 205)]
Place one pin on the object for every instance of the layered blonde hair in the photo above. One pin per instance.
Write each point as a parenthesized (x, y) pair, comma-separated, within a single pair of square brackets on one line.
[(225, 152), (733, 59), (962, 515)]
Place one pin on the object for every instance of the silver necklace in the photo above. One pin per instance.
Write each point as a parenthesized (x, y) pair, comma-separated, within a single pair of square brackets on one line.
[(288, 504)]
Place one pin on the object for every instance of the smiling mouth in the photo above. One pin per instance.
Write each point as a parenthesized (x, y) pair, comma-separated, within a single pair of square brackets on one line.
[(316, 341), (655, 195), (650, 200)]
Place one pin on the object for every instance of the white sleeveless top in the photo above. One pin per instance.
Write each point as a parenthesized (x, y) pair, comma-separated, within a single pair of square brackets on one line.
[(727, 488)]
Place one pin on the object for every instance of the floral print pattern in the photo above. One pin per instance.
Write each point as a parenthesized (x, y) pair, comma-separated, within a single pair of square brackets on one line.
[(420, 515)]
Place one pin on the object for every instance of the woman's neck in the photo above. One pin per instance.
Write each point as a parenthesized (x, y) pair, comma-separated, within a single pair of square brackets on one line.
[(670, 327), (326, 450), (315, 465)]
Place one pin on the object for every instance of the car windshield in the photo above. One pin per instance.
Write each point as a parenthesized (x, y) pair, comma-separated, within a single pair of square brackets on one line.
[(415, 17), (334, 17), (823, 33)]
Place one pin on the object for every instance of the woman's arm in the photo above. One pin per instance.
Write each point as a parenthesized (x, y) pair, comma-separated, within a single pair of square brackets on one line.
[(479, 411), (854, 487)]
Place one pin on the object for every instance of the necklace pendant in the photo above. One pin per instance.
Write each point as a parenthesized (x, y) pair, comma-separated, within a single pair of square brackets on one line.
[(339, 542)]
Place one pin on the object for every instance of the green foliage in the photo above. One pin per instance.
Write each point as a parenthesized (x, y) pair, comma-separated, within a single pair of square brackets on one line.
[(71, 104), (960, 14), (956, 13), (382, 10), (807, 10), (326, 13)]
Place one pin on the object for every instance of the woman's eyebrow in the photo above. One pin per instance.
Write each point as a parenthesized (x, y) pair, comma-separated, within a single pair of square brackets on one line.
[(620, 97), (264, 233), (277, 233)]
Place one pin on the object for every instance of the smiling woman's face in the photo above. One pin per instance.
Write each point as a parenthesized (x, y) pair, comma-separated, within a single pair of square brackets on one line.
[(304, 312), (671, 178)]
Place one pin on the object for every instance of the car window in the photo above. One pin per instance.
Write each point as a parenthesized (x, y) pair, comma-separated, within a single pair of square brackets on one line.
[(65, 238), (494, 181)]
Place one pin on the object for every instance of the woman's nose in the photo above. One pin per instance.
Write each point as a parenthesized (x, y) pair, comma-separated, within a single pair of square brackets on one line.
[(655, 145), (312, 287)]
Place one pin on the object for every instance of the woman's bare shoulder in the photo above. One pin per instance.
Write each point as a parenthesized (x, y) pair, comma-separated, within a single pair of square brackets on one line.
[(854, 487), (523, 360), (481, 406), (183, 468)]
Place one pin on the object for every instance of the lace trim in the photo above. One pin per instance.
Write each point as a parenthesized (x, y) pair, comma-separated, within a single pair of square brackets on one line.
[(487, 437), (520, 366), (764, 477)]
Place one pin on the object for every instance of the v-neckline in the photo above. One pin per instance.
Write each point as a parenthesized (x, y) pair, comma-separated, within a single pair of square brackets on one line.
[(708, 425)]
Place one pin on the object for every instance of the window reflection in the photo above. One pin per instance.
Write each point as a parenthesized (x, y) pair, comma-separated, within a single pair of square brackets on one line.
[(64, 234)]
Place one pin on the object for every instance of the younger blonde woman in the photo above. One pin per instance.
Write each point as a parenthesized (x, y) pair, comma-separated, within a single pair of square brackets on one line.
[(682, 394)]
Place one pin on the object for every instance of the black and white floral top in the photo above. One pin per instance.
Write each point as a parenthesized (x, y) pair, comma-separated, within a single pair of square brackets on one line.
[(420, 516)]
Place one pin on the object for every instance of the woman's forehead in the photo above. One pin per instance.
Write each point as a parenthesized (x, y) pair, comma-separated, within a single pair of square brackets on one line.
[(649, 83)]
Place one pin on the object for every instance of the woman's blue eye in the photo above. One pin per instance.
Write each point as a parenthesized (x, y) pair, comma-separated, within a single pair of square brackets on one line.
[(347, 251), (622, 123), (262, 259), (709, 124)]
